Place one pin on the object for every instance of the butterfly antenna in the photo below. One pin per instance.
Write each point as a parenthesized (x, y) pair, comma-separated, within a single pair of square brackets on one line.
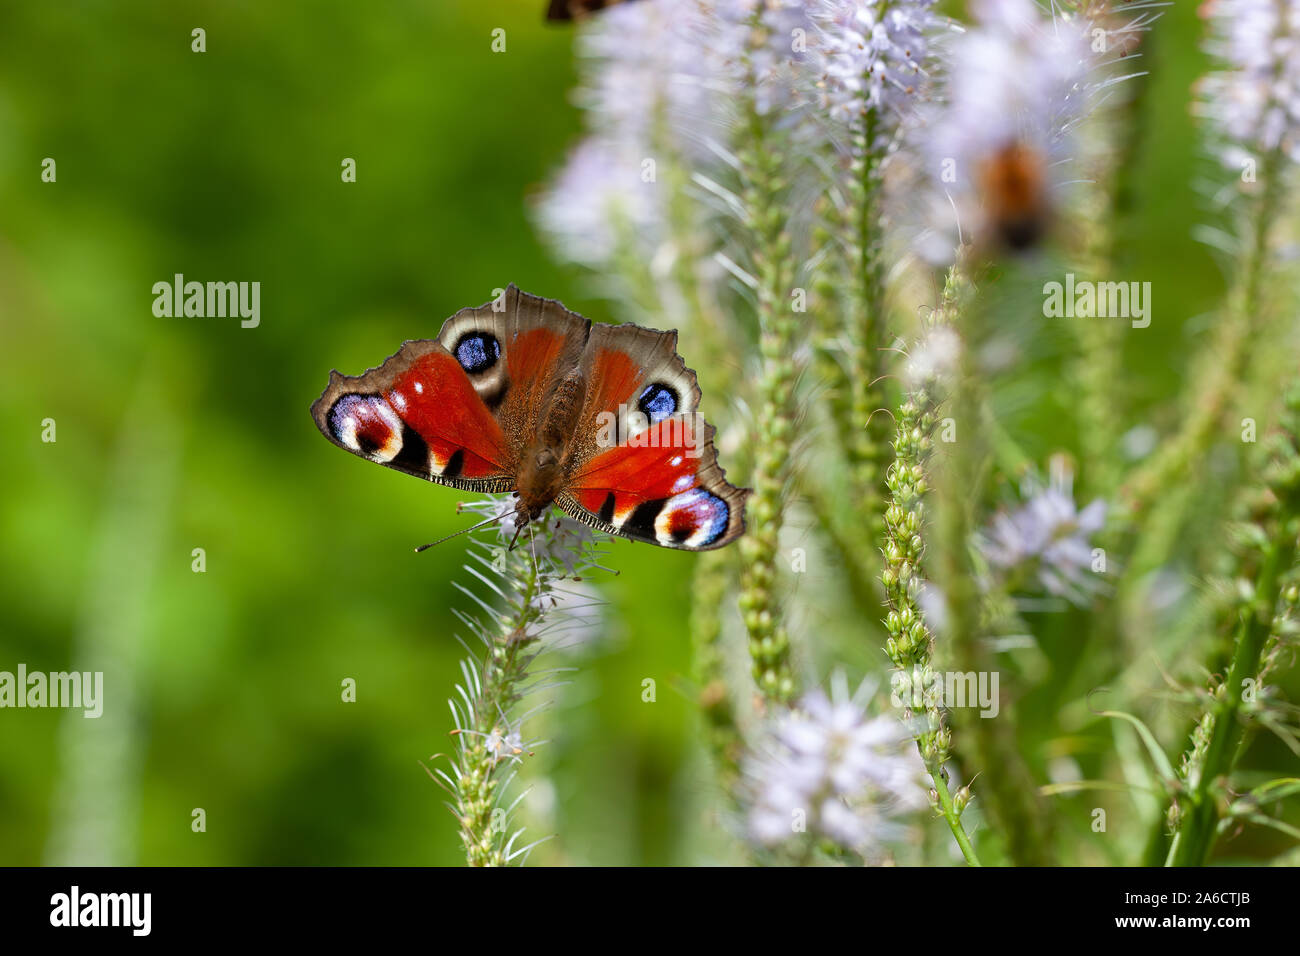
[(455, 534)]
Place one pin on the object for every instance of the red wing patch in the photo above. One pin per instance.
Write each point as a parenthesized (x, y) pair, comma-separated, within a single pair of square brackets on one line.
[(662, 486), (613, 379), (535, 360), (435, 398), (418, 413), (660, 462), (533, 356)]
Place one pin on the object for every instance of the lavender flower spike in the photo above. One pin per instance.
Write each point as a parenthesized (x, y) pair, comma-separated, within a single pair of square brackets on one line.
[(870, 53), (1048, 538)]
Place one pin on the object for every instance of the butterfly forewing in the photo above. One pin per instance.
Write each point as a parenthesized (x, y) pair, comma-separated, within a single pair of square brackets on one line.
[(418, 413), (515, 350)]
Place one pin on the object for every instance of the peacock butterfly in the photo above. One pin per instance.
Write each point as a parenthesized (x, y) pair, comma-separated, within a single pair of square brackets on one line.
[(522, 395)]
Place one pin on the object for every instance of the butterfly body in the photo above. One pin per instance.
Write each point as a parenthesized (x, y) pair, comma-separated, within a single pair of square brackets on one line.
[(523, 395), (543, 469)]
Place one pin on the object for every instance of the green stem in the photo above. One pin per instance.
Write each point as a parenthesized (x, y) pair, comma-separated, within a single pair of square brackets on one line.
[(761, 162), (1156, 498), (1098, 367), (1226, 360), (1010, 794), (712, 579), (910, 645), (953, 817), (867, 451), (1195, 837), (478, 779)]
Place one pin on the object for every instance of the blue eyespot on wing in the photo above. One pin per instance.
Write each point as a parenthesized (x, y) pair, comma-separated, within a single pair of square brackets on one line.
[(658, 402), (477, 351)]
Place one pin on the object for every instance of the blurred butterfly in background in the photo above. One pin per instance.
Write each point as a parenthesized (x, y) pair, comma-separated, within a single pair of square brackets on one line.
[(522, 395), (1013, 187), (576, 9)]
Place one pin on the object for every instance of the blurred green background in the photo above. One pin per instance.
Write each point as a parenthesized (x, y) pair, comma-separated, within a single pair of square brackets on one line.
[(174, 434)]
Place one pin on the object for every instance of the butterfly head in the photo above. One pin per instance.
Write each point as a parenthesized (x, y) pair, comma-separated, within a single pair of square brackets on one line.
[(541, 478)]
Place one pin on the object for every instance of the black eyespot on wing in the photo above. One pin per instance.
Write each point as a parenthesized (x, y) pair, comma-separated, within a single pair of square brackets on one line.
[(414, 455), (641, 523), (477, 352), (658, 402), (607, 509), (366, 444), (454, 464), (366, 424)]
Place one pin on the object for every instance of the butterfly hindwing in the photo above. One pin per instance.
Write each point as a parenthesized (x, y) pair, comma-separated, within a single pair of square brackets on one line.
[(664, 486), (644, 465)]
